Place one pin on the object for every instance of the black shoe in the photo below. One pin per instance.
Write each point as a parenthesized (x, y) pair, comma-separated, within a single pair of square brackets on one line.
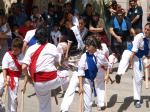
[(101, 108), (118, 78), (137, 104)]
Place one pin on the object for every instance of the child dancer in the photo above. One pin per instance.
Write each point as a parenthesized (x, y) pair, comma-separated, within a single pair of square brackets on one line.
[(12, 68), (41, 59), (140, 48), (74, 81)]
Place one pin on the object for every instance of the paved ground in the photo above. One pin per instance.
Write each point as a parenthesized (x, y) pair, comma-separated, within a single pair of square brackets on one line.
[(119, 98)]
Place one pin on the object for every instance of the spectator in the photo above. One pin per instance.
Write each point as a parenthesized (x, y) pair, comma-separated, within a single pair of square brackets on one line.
[(87, 14), (6, 31), (82, 28), (3, 41), (120, 29), (49, 16), (18, 16), (68, 7), (56, 34), (69, 37), (135, 14), (97, 28), (35, 13), (15, 33), (26, 27)]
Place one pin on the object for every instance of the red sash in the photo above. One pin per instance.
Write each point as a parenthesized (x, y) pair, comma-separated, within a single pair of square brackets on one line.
[(40, 76), (45, 76), (12, 73)]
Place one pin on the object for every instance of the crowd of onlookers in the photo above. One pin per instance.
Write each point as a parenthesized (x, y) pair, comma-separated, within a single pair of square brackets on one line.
[(66, 23)]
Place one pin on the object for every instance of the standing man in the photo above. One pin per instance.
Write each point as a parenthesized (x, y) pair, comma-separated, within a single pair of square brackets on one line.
[(135, 14), (134, 56)]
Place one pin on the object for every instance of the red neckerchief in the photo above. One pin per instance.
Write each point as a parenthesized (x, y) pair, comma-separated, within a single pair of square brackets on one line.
[(12, 73)]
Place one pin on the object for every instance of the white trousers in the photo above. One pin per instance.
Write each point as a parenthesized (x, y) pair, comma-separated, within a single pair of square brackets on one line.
[(100, 88), (124, 62), (87, 96), (137, 79), (74, 81), (70, 92), (12, 94), (137, 76), (12, 97), (43, 92)]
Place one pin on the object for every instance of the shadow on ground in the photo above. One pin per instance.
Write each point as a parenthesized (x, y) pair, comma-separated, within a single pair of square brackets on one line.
[(112, 101), (128, 100)]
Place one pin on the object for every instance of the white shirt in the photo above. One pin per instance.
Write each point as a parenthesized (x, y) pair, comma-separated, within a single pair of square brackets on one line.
[(5, 28), (29, 35), (101, 58), (8, 62), (46, 59), (138, 42), (56, 36), (82, 65)]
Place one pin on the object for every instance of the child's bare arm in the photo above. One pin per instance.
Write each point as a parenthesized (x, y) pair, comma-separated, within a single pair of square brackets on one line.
[(5, 77)]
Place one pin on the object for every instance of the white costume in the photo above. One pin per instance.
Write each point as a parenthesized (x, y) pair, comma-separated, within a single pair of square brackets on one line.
[(138, 43), (12, 94), (45, 63), (29, 35), (63, 73), (99, 83)]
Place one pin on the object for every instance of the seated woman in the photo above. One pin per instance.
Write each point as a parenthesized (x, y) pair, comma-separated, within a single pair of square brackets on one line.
[(97, 28)]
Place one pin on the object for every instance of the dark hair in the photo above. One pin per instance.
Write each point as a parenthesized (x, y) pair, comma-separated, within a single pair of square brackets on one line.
[(132, 0), (92, 40), (35, 7), (82, 18), (96, 14), (89, 5), (147, 24), (41, 35), (17, 42)]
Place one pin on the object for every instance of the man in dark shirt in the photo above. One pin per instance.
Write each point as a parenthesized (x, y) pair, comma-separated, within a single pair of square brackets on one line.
[(135, 14), (120, 29)]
